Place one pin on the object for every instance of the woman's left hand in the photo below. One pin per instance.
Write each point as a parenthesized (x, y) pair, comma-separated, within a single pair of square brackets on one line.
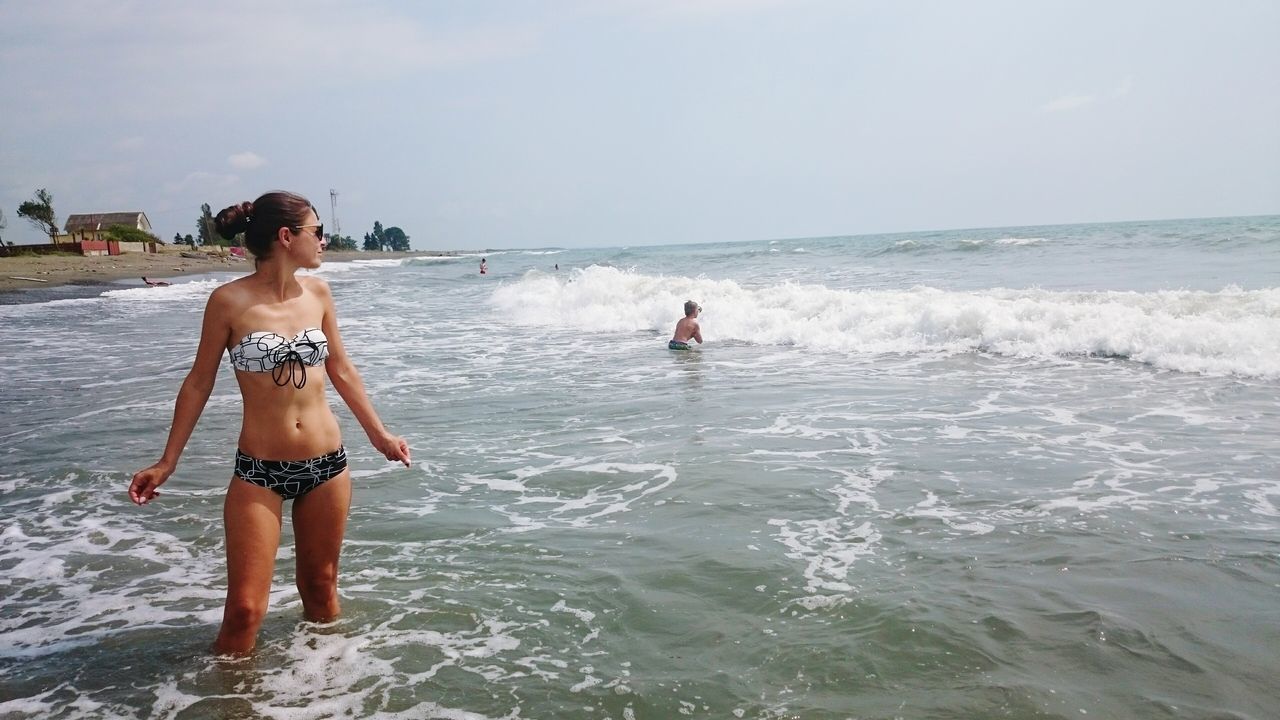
[(393, 447)]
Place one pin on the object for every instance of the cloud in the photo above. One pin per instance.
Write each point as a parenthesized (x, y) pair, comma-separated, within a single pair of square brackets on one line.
[(246, 160), (203, 181), (675, 10), (108, 42), (1068, 102), (129, 144)]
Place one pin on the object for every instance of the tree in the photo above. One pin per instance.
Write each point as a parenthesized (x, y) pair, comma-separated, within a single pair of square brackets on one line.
[(396, 239), (190, 241), (205, 232), (341, 242), (177, 238), (376, 240), (39, 212)]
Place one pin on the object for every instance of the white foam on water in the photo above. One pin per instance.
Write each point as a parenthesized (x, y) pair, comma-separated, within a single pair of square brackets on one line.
[(76, 577), (330, 674), (533, 506), (1263, 497), (783, 426), (978, 243), (1193, 416), (430, 260), (54, 549), (179, 290), (51, 703), (346, 266), (137, 301), (586, 616), (830, 547), (1231, 331), (932, 507), (498, 253)]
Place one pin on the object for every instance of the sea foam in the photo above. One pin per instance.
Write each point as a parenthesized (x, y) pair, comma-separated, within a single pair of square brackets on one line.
[(1228, 332)]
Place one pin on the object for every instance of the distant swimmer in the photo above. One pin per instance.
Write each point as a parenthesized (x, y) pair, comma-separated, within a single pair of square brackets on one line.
[(687, 328), (156, 283), (484, 266)]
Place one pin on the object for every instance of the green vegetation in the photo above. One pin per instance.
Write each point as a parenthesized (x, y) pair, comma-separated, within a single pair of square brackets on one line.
[(392, 238), (124, 233), (205, 233), (397, 239), (39, 212), (375, 240), (341, 242)]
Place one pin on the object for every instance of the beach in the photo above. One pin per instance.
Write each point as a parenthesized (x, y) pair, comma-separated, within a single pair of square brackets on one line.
[(1006, 472), (22, 272)]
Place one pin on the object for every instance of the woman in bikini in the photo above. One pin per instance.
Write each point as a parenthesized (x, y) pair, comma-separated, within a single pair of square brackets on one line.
[(281, 333)]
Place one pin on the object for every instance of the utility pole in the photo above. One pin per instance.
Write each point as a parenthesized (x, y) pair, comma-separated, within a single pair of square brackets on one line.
[(333, 213)]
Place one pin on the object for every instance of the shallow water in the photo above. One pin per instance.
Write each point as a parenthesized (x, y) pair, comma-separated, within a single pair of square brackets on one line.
[(1018, 473)]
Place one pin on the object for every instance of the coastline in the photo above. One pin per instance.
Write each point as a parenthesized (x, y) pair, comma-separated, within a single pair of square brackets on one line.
[(29, 272)]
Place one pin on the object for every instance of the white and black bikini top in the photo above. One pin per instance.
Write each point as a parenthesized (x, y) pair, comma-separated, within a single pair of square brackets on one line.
[(264, 351)]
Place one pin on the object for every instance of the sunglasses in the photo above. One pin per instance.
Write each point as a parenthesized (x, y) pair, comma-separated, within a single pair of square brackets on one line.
[(319, 230)]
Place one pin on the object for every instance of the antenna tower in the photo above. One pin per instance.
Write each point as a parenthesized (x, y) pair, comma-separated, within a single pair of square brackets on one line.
[(333, 212)]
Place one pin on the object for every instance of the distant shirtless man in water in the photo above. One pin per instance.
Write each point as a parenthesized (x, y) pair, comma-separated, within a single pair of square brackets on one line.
[(687, 328)]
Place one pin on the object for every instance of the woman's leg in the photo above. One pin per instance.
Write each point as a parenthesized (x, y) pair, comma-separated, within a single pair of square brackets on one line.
[(319, 521), (251, 515)]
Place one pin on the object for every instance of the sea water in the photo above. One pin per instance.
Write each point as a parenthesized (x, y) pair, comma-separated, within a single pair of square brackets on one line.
[(1025, 472)]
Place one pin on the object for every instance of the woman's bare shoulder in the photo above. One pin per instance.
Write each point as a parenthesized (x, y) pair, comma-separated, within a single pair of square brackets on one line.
[(229, 292), (232, 298), (315, 284)]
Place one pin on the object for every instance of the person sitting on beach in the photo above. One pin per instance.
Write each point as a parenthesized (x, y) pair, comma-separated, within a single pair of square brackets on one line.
[(156, 283), (687, 328), (281, 333), (484, 266)]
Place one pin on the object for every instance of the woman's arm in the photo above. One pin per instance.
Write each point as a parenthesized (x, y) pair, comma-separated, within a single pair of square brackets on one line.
[(346, 380), (192, 397)]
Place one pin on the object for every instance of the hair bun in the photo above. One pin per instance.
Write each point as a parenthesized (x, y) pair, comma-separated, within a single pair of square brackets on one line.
[(233, 220)]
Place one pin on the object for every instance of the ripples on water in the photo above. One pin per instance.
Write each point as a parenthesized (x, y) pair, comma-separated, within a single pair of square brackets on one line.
[(787, 523)]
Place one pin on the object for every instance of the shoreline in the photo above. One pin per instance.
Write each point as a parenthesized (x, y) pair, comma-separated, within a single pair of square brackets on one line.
[(34, 272)]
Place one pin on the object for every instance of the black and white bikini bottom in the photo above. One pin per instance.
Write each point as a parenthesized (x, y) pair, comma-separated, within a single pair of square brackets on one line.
[(291, 478)]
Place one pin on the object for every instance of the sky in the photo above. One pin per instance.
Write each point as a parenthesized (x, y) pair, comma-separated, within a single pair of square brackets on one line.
[(567, 123)]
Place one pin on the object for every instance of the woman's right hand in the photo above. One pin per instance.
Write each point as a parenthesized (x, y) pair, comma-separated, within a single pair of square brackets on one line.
[(145, 482), (392, 447)]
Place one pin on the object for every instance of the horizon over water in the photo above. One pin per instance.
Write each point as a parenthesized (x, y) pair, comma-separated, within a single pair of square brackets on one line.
[(998, 472)]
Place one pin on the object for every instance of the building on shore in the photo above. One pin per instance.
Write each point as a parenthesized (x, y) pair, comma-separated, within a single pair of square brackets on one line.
[(88, 231)]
